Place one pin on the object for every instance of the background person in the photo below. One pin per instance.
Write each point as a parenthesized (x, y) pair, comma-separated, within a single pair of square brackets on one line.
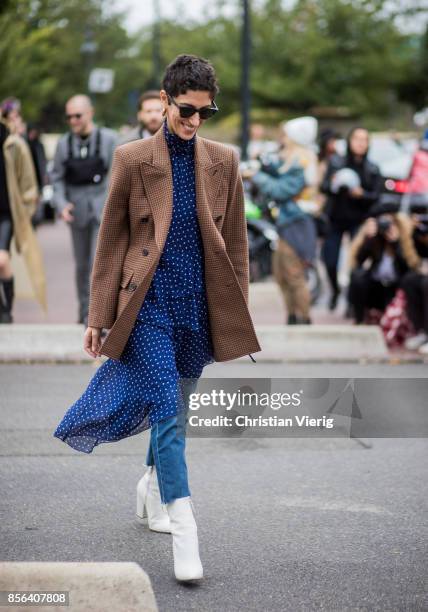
[(326, 150), (11, 112), (40, 165), (347, 206), (415, 285), (418, 175), (37, 153), (381, 254), (18, 202), (284, 182), (149, 117), (80, 177)]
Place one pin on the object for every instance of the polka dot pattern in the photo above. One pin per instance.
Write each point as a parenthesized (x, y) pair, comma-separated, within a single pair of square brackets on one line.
[(171, 338), (181, 266)]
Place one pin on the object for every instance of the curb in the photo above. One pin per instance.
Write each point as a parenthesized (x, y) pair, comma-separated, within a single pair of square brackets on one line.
[(62, 344), (90, 586)]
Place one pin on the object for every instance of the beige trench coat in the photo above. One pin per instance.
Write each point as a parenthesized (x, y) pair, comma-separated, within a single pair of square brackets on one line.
[(23, 196), (134, 228)]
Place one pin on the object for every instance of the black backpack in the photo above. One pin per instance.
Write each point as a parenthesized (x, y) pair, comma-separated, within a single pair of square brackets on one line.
[(86, 171)]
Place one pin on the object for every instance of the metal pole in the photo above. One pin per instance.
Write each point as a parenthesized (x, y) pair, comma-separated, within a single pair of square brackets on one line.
[(156, 51), (245, 79), (88, 49)]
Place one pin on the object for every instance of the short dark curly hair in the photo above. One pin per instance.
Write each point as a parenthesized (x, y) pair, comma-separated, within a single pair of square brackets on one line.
[(190, 72)]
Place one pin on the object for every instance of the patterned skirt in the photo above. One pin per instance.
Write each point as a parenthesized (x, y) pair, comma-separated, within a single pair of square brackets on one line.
[(169, 344)]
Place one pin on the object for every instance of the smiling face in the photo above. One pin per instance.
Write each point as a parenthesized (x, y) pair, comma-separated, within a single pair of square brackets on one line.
[(185, 128)]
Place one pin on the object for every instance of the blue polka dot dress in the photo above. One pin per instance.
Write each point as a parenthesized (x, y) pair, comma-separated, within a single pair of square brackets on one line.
[(171, 338)]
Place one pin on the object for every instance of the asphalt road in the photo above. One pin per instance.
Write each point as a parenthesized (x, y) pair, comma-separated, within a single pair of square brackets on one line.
[(284, 524)]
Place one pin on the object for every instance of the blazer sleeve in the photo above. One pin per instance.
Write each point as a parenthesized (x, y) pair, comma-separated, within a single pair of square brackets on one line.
[(234, 229), (112, 245)]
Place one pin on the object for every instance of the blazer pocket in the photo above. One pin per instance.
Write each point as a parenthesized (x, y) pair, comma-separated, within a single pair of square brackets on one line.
[(127, 274)]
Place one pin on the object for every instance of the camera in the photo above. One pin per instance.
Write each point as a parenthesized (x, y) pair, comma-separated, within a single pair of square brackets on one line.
[(383, 225)]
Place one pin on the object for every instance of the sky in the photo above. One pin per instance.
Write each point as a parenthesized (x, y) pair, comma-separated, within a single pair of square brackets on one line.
[(140, 12)]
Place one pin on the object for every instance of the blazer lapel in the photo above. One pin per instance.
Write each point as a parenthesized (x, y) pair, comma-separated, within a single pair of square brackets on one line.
[(157, 178), (208, 176)]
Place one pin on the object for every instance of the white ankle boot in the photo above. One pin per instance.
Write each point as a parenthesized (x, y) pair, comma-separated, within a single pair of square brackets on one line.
[(149, 502), (187, 564)]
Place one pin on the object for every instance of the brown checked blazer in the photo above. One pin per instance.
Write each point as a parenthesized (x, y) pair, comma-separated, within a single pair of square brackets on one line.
[(134, 228)]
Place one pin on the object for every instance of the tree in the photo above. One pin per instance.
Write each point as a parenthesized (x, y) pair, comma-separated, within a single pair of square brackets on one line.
[(316, 53), (42, 60)]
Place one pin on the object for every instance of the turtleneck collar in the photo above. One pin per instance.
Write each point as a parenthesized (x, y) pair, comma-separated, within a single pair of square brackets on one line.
[(176, 144)]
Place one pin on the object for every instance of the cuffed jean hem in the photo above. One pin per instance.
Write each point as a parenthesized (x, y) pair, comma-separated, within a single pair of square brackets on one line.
[(167, 452), (167, 449)]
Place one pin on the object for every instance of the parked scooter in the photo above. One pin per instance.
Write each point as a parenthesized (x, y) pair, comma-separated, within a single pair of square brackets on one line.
[(262, 238)]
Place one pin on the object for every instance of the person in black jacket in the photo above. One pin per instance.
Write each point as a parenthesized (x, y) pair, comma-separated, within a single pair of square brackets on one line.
[(381, 254), (348, 205)]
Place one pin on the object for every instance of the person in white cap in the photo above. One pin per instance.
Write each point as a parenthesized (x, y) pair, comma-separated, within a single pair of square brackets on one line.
[(291, 181)]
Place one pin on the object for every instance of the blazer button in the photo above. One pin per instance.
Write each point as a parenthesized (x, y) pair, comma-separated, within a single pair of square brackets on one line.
[(132, 286), (144, 219), (145, 251), (219, 217)]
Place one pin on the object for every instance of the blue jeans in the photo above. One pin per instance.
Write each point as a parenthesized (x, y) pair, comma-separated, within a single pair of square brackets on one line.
[(167, 450)]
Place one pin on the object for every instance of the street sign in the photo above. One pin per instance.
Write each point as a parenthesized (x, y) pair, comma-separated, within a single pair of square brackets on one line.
[(101, 80)]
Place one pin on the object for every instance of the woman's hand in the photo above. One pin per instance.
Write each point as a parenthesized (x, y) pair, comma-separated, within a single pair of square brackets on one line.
[(357, 192), (92, 341), (67, 213)]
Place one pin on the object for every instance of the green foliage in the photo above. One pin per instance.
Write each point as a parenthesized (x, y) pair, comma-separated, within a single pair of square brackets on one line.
[(334, 53)]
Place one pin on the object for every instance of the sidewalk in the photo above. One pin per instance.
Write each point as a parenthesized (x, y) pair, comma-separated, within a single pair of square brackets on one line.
[(265, 299), (330, 337)]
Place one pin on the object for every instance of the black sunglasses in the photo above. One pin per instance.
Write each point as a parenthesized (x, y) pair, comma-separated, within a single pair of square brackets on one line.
[(75, 116), (187, 110)]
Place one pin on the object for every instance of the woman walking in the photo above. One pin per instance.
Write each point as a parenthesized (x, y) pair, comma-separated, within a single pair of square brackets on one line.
[(170, 282)]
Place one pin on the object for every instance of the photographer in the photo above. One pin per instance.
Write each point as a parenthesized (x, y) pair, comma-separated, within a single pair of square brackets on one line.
[(381, 254), (415, 285)]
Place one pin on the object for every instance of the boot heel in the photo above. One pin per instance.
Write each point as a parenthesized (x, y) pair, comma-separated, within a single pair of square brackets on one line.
[(142, 490), (149, 503), (141, 507)]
